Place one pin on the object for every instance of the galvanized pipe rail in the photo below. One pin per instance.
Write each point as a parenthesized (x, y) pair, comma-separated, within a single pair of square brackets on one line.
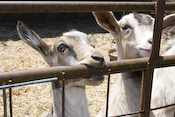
[(65, 6)]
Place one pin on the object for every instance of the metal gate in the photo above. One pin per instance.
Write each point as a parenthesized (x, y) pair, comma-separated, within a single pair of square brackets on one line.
[(146, 65)]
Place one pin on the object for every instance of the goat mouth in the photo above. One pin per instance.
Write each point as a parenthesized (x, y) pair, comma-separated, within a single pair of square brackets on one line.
[(145, 52), (95, 80), (95, 77), (101, 65), (148, 50)]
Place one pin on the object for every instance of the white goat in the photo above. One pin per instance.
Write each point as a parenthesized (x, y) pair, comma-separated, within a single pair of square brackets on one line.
[(133, 36), (72, 48)]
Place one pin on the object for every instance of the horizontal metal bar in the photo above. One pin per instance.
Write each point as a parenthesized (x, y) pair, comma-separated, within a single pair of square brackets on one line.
[(162, 107), (28, 83), (73, 6), (142, 111), (132, 113), (79, 71)]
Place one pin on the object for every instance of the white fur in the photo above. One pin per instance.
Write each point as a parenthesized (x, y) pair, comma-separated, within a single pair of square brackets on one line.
[(163, 88), (76, 104), (134, 43), (76, 35)]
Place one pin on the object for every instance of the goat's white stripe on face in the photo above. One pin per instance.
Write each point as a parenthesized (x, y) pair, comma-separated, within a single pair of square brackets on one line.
[(80, 36), (71, 60), (143, 36)]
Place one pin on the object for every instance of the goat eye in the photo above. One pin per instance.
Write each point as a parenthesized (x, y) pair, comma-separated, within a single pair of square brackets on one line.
[(61, 48), (125, 27)]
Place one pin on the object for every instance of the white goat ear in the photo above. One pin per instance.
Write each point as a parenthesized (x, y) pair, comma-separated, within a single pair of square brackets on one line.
[(169, 21), (107, 20), (31, 38)]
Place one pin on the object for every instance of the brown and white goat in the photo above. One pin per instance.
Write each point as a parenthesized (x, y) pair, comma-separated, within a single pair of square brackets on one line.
[(72, 48)]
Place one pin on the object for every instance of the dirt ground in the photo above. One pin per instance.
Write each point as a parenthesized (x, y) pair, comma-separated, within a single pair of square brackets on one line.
[(33, 100)]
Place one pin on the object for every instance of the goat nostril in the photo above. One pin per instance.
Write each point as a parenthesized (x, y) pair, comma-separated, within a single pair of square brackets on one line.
[(101, 59), (150, 41)]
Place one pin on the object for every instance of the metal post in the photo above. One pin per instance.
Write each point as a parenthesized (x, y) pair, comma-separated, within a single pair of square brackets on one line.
[(5, 102), (63, 93), (147, 75), (10, 102), (145, 97), (108, 87)]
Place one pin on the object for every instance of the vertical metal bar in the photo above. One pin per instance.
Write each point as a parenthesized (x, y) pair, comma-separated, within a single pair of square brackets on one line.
[(63, 93), (147, 76), (5, 102), (108, 87), (145, 97), (159, 14), (10, 102), (10, 99)]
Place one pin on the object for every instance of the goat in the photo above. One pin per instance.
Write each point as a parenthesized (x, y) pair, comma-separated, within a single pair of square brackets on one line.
[(133, 36), (72, 48)]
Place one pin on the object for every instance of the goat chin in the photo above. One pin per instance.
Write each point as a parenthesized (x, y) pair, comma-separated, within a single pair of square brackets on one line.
[(144, 52)]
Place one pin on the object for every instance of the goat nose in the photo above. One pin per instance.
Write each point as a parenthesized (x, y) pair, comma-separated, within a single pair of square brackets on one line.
[(150, 41), (98, 58)]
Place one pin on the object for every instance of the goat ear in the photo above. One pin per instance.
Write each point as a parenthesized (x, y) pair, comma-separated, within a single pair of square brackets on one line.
[(168, 21), (31, 38), (107, 21)]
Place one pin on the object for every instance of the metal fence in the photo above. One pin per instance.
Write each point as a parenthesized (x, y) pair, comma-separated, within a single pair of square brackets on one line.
[(146, 65)]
